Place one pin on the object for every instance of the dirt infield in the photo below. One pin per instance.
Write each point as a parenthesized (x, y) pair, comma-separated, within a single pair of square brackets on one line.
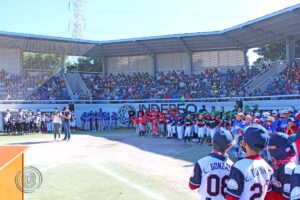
[(151, 168)]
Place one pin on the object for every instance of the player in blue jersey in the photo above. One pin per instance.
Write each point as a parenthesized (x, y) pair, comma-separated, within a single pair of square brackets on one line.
[(211, 172), (270, 125), (100, 124), (250, 177), (237, 130), (283, 122), (114, 120)]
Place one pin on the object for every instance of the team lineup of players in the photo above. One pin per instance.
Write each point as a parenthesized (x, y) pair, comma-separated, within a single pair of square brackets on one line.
[(29, 121), (265, 145), (99, 121), (204, 124)]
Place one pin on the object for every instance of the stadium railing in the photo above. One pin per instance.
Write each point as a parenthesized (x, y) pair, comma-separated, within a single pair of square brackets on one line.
[(221, 99)]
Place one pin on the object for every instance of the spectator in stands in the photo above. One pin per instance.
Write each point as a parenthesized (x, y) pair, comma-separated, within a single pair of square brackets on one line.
[(170, 85), (287, 82)]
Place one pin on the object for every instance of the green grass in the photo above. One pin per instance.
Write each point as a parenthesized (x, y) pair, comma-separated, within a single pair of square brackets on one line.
[(82, 182)]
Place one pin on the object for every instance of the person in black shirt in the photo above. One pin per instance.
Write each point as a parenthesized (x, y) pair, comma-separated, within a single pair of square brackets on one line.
[(212, 125), (131, 114), (203, 109), (66, 116)]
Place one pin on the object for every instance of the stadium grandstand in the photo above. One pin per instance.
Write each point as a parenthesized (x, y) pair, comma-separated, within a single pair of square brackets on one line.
[(199, 67)]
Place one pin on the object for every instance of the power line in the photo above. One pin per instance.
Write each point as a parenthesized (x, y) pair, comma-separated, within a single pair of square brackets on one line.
[(34, 18), (164, 14)]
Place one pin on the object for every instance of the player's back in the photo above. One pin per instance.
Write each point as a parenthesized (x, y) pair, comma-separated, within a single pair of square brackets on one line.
[(249, 178), (295, 184), (210, 175)]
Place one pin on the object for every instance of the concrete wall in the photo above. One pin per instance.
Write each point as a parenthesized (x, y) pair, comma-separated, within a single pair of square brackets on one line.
[(11, 60)]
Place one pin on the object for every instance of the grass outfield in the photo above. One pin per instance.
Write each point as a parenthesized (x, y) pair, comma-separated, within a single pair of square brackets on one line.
[(114, 165)]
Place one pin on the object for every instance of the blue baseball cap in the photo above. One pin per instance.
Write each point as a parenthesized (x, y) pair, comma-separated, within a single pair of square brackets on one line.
[(222, 139), (283, 144), (256, 137)]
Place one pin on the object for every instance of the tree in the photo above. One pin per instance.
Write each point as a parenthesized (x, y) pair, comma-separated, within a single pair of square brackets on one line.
[(40, 61), (273, 52), (85, 64)]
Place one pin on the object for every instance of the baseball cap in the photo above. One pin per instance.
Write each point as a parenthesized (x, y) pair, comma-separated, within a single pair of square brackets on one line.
[(291, 119), (296, 146), (240, 114), (256, 121), (270, 119), (257, 114), (282, 142), (285, 112), (256, 137), (222, 139), (291, 110), (266, 114), (248, 117)]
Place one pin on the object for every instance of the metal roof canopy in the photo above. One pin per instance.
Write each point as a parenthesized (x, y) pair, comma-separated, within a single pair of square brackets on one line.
[(272, 28)]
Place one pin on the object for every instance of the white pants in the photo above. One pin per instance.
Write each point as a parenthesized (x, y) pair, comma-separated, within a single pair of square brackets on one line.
[(188, 131), (141, 127), (201, 131), (170, 130), (180, 131), (196, 127), (211, 132), (161, 128)]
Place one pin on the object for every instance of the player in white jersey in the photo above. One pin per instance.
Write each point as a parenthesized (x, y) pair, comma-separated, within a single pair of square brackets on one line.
[(211, 172), (250, 177), (295, 178), (283, 159)]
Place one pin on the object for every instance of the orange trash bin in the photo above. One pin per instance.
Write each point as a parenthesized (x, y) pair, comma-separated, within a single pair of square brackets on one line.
[(11, 164)]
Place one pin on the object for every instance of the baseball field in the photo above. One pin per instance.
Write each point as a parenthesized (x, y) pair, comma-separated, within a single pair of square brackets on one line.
[(115, 165)]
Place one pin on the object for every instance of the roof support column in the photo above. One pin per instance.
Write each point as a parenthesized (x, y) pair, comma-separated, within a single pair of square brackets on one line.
[(190, 63), (104, 67), (154, 64), (62, 62), (290, 49), (21, 71), (246, 61)]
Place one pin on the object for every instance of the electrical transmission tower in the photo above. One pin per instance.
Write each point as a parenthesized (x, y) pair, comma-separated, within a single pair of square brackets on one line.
[(77, 23)]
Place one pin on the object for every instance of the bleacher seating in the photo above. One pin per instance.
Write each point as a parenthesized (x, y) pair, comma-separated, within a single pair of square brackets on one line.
[(35, 86), (171, 85), (287, 82)]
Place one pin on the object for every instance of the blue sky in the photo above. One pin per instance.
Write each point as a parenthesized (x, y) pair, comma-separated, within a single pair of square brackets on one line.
[(119, 19)]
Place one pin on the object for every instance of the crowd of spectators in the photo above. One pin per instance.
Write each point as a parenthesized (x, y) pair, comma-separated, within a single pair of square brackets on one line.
[(33, 86), (287, 82), (170, 85)]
